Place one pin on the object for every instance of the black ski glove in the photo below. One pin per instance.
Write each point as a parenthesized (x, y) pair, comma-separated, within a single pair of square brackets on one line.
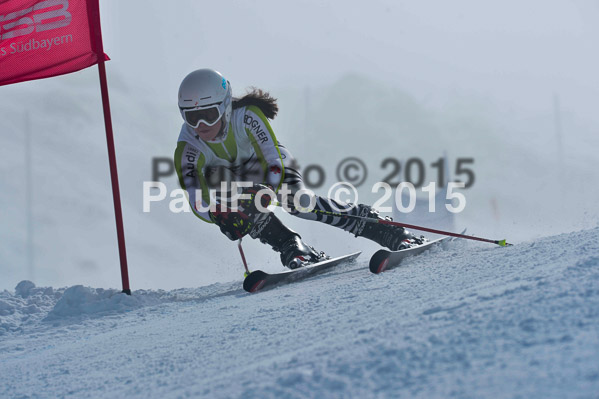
[(235, 224)]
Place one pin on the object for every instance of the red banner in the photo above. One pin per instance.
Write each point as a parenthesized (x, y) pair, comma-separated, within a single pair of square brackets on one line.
[(39, 39)]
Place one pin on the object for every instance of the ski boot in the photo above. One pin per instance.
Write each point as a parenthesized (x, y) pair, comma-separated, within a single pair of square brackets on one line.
[(393, 237), (294, 252)]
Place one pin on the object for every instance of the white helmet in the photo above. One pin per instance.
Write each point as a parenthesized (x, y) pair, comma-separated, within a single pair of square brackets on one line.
[(205, 96)]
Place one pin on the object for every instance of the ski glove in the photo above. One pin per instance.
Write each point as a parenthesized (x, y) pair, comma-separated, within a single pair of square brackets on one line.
[(236, 223), (233, 224)]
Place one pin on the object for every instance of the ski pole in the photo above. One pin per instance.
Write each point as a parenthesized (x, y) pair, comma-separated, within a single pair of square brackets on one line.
[(247, 271), (501, 243)]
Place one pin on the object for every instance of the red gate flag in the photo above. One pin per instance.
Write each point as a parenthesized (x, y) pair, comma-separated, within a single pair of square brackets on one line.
[(39, 39)]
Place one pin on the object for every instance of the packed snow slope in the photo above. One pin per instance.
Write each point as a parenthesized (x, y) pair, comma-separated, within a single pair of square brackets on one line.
[(469, 321)]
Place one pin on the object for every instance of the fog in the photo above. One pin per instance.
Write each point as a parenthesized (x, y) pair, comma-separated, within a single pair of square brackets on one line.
[(511, 85)]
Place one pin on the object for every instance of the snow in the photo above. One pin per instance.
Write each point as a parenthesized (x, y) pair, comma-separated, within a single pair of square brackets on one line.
[(467, 321)]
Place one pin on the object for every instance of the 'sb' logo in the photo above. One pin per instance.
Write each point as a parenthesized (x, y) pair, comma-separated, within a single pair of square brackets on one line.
[(24, 22), (224, 84)]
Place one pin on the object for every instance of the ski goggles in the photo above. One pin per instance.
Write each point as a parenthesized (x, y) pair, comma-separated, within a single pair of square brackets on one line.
[(209, 115)]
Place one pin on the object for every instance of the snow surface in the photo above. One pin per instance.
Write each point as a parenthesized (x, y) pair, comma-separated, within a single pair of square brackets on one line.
[(469, 321)]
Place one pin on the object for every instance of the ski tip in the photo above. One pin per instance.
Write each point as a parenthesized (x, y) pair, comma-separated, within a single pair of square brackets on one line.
[(254, 281), (253, 284), (379, 262), (257, 286), (382, 266)]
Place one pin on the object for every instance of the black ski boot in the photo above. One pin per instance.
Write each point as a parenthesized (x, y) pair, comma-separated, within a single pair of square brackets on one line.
[(294, 252), (393, 237)]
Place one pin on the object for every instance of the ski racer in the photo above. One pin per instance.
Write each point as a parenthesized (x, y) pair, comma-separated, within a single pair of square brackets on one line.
[(234, 133)]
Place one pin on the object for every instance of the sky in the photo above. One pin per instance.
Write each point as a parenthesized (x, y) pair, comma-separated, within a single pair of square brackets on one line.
[(515, 53)]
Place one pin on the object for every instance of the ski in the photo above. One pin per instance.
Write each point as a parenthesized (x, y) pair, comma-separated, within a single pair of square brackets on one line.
[(258, 279), (385, 259)]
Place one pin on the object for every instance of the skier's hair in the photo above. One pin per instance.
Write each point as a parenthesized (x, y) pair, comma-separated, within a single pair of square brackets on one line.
[(261, 99)]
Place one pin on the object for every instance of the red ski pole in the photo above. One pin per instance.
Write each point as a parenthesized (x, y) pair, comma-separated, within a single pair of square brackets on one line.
[(245, 264), (501, 243)]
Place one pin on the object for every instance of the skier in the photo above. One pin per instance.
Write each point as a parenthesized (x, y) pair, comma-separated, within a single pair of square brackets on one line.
[(222, 131)]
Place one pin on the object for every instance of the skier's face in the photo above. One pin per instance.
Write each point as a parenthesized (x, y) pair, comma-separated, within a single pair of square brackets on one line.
[(208, 133)]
